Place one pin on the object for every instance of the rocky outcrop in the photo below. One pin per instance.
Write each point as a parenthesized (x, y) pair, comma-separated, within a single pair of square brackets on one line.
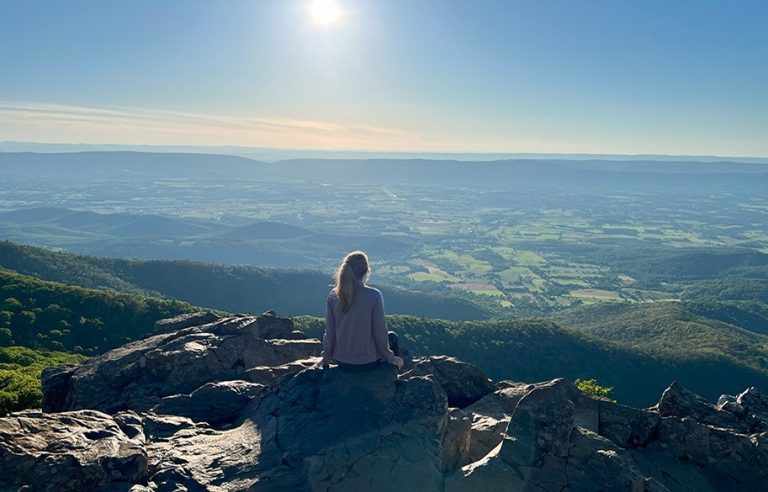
[(182, 321), (214, 403), (326, 429), (746, 412), (238, 404), (490, 417), (463, 383), (85, 450), (137, 376), (558, 438), (750, 406), (552, 443)]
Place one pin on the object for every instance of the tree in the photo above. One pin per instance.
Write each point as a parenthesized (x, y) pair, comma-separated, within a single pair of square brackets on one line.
[(592, 387), (11, 304)]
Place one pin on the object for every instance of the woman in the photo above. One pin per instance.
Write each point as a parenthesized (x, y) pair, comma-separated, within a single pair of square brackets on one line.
[(356, 335)]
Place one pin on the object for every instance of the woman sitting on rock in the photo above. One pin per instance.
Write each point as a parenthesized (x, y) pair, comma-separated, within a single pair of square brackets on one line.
[(356, 335)]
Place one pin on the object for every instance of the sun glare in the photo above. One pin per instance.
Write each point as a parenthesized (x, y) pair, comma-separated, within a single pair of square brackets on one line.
[(325, 12)]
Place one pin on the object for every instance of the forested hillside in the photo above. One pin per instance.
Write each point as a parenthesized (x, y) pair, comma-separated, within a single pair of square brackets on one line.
[(52, 316), (234, 288), (731, 288), (670, 330), (749, 315), (536, 349), (713, 341), (682, 264), (46, 323), (59, 266)]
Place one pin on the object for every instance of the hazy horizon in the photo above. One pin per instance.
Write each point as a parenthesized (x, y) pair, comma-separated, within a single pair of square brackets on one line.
[(267, 154)]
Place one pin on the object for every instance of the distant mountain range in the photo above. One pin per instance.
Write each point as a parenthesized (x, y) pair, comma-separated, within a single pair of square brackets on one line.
[(259, 242), (501, 174), (271, 155), (120, 225)]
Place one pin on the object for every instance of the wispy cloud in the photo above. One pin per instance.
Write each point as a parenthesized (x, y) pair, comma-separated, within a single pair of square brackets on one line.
[(122, 125), (61, 123)]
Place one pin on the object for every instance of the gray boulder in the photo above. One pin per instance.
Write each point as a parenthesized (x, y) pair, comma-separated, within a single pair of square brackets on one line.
[(738, 460), (215, 403), (341, 430), (627, 427), (750, 407), (130, 423), (139, 374), (161, 428), (83, 450), (456, 440), (182, 321), (490, 417), (679, 402), (551, 443), (316, 430), (270, 375), (463, 383)]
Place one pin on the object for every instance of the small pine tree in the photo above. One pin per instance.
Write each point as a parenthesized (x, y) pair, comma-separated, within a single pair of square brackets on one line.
[(592, 387)]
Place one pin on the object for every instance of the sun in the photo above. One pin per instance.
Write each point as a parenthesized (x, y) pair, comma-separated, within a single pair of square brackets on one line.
[(325, 12)]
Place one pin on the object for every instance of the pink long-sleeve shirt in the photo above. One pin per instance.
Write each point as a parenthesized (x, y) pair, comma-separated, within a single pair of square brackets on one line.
[(360, 335)]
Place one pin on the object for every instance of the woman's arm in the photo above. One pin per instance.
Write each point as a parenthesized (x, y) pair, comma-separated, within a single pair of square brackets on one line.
[(329, 339), (381, 333)]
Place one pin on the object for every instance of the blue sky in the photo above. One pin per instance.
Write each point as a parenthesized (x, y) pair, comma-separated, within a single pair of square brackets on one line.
[(674, 77)]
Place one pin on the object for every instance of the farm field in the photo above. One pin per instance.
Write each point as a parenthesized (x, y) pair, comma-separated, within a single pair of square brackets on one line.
[(513, 247)]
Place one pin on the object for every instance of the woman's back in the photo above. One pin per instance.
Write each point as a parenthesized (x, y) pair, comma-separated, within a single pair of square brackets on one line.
[(359, 335), (355, 328)]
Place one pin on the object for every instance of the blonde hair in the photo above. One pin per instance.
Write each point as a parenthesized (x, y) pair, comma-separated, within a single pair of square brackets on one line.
[(351, 273)]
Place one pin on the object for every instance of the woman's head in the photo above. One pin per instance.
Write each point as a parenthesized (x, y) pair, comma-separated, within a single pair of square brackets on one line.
[(351, 273)]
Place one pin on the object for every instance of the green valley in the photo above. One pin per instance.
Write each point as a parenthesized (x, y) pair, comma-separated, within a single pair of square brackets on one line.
[(631, 272)]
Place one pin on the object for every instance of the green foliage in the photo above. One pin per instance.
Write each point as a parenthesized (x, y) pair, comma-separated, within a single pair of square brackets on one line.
[(53, 316), (232, 288), (729, 289), (535, 349), (752, 316), (592, 387), (671, 330), (662, 264), (20, 370), (637, 348), (59, 266)]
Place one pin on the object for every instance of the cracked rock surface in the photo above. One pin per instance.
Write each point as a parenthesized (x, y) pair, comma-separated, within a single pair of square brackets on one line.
[(223, 404), (558, 438), (138, 375), (85, 450)]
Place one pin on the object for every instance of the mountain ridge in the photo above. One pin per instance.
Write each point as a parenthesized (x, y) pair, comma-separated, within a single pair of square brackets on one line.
[(234, 288), (533, 348)]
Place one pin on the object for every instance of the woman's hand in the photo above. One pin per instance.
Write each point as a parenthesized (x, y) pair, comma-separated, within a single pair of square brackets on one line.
[(399, 362)]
